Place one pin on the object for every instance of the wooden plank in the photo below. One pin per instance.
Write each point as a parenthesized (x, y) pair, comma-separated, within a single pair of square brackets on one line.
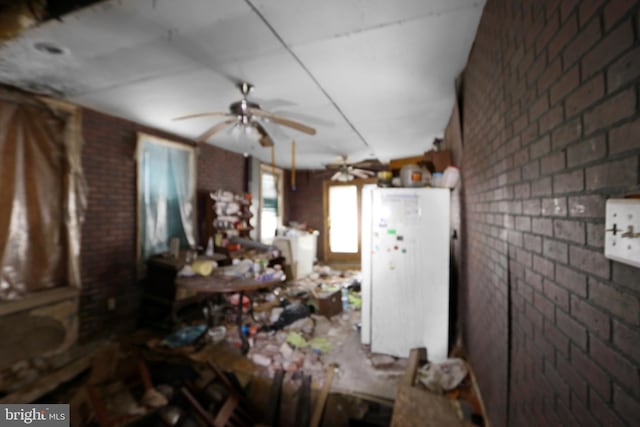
[(274, 399), (415, 406), (322, 399), (38, 299), (304, 402)]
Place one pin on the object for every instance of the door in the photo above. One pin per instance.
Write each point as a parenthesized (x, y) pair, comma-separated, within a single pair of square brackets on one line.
[(342, 221)]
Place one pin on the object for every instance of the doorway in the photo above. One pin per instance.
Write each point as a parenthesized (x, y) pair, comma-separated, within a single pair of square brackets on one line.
[(342, 221)]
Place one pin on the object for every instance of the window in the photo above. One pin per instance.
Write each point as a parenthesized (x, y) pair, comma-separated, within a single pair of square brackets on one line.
[(166, 195), (271, 206)]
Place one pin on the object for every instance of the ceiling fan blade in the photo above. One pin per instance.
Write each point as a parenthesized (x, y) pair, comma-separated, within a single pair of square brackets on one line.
[(282, 121), (302, 117), (217, 128), (265, 140), (193, 116), (361, 173), (336, 175), (370, 164)]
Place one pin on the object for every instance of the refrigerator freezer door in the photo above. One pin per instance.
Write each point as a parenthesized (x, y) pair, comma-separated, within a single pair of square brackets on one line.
[(410, 271)]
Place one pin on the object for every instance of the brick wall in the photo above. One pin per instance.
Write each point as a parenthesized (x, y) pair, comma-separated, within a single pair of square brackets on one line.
[(305, 203), (551, 130), (108, 254)]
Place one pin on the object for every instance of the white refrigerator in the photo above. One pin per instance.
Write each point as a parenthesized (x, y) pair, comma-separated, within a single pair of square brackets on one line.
[(405, 270)]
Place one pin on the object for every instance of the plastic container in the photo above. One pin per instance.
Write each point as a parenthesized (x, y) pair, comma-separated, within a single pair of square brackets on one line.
[(436, 179), (412, 176), (450, 177)]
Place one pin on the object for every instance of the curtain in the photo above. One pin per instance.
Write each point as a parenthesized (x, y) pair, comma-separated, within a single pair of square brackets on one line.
[(41, 196), (166, 183)]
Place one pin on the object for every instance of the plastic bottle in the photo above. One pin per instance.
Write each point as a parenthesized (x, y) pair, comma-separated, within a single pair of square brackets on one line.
[(345, 298)]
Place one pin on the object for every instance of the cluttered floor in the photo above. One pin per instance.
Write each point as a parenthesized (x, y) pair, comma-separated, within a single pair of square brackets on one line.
[(305, 365)]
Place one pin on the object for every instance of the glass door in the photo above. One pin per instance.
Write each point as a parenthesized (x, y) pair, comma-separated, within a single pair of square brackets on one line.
[(342, 221)]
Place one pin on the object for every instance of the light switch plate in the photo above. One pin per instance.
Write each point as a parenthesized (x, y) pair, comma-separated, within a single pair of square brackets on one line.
[(622, 231)]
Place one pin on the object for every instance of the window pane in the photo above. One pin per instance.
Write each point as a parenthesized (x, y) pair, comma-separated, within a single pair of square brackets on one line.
[(343, 213)]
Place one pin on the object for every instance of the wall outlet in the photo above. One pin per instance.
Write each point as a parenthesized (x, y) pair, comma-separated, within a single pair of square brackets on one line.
[(622, 231), (111, 304)]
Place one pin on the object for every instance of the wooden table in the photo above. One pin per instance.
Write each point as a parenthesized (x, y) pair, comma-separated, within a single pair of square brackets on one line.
[(219, 283)]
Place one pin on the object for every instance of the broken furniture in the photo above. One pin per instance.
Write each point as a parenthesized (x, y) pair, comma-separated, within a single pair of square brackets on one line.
[(162, 300), (235, 409), (219, 283)]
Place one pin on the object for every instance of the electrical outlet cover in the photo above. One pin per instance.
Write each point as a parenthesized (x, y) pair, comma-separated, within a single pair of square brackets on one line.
[(622, 231)]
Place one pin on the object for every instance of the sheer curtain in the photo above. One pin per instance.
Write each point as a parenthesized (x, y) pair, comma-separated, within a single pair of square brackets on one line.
[(166, 194)]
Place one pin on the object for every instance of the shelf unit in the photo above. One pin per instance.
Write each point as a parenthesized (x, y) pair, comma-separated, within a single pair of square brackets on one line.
[(224, 214)]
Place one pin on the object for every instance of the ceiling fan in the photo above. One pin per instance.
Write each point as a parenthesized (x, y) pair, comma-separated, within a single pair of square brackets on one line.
[(347, 171), (248, 114)]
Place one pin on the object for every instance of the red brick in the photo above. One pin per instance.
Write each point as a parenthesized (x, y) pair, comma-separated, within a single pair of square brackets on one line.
[(587, 9), (574, 281), (539, 107), (577, 383), (622, 305), (531, 170), (569, 182), (555, 250), (561, 39), (569, 230), (591, 206), (607, 50), (595, 376), (595, 320), (587, 151), (552, 163), (590, 261), (625, 70), (595, 235), (566, 9), (542, 226), (532, 243), (541, 187), (625, 372), (626, 339), (626, 275), (533, 279), (522, 191), (586, 95), (531, 207), (543, 266), (627, 406), (581, 412), (625, 138), (550, 29), (560, 297), (611, 111), (523, 223), (603, 412), (570, 327), (556, 206), (567, 83), (550, 119), (558, 339), (585, 39), (615, 10), (569, 132), (621, 173), (559, 386), (540, 147)]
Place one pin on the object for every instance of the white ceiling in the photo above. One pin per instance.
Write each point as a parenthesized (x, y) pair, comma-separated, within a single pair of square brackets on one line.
[(374, 77)]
